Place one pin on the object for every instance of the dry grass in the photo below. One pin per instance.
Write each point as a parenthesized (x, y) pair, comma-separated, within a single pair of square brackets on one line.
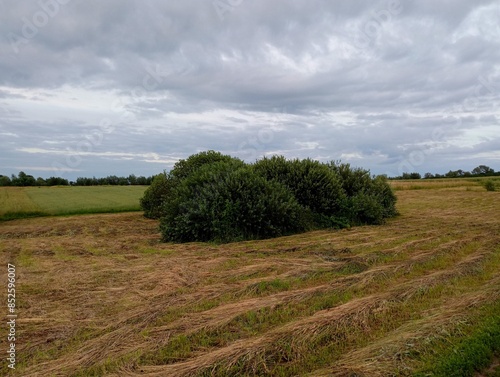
[(100, 295)]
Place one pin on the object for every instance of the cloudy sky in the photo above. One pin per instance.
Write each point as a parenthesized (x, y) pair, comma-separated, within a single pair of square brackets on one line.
[(93, 87)]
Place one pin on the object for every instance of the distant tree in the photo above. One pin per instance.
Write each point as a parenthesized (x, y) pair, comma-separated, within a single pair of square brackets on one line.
[(57, 181), (113, 180), (5, 181), (483, 170), (24, 179), (428, 175), (21, 176), (40, 182), (80, 181), (411, 176), (122, 181), (132, 179)]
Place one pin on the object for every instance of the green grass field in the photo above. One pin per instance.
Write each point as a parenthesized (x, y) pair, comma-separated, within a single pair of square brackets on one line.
[(19, 202), (473, 183)]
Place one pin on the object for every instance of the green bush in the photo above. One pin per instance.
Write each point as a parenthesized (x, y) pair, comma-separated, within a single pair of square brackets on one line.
[(368, 200), (152, 201), (353, 180), (489, 185), (313, 184), (184, 168), (163, 184), (227, 201), (215, 197)]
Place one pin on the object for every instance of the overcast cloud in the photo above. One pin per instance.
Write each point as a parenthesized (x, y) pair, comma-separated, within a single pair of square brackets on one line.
[(120, 86)]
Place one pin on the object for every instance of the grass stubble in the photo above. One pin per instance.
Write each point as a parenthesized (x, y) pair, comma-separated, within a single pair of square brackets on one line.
[(100, 295)]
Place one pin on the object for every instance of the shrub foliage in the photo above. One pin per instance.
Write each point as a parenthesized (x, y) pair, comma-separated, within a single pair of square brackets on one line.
[(154, 195), (215, 197), (313, 184), (368, 200), (489, 185), (227, 201)]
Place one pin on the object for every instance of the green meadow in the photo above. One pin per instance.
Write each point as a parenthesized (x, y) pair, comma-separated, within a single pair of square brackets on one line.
[(21, 202)]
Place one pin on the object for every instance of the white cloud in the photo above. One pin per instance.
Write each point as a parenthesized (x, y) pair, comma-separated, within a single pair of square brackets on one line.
[(45, 169), (148, 157), (9, 134)]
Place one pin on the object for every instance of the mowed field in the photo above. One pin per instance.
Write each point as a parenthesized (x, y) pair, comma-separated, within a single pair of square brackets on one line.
[(100, 295), (18, 202), (440, 183)]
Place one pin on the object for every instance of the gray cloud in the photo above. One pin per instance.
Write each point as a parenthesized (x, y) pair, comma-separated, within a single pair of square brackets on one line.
[(374, 83)]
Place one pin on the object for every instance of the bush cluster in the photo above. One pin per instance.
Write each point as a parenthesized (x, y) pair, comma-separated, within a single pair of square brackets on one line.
[(489, 185), (215, 197)]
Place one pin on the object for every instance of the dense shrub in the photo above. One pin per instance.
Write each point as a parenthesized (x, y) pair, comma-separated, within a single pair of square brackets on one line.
[(313, 184), (353, 180), (368, 200), (163, 184), (227, 201), (152, 201), (184, 168), (489, 185), (214, 197)]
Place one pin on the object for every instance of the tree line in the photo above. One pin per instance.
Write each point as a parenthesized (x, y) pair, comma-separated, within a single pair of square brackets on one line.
[(23, 179), (480, 171)]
